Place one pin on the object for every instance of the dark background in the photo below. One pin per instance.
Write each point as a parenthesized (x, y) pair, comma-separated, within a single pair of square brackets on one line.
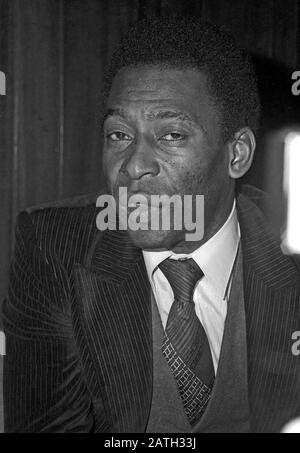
[(54, 53)]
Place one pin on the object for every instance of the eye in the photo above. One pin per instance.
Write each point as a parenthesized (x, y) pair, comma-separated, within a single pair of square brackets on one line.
[(119, 137), (173, 137)]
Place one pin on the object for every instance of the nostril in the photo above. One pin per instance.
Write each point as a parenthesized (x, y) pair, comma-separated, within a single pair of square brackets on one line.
[(123, 169), (140, 166)]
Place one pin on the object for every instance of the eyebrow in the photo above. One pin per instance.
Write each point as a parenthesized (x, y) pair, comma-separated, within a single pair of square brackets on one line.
[(152, 116), (114, 112), (170, 114)]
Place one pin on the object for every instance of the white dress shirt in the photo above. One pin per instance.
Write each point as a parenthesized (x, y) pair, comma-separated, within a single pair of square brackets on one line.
[(216, 259)]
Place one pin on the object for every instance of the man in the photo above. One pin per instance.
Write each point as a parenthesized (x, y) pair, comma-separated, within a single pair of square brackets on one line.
[(143, 330)]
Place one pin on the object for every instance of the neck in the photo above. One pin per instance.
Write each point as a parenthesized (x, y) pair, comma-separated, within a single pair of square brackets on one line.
[(187, 247)]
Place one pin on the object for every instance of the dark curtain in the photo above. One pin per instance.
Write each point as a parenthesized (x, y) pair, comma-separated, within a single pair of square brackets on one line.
[(54, 53)]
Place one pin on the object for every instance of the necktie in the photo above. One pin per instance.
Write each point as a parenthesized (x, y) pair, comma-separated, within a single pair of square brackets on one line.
[(185, 345)]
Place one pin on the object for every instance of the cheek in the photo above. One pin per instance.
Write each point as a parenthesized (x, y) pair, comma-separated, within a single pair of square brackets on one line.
[(111, 166), (183, 178), (203, 171), (191, 172)]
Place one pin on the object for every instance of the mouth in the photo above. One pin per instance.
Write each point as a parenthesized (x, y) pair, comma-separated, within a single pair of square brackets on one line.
[(134, 200), (139, 201)]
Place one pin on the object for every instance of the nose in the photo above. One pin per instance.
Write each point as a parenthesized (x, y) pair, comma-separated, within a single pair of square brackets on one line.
[(140, 161)]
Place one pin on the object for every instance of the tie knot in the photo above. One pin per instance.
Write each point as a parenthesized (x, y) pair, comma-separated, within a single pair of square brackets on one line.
[(182, 276)]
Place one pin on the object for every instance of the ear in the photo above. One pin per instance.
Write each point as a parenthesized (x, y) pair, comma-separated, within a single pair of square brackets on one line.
[(241, 152)]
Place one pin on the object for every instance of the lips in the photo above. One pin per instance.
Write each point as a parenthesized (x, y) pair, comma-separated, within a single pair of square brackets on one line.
[(138, 200), (134, 200), (142, 206)]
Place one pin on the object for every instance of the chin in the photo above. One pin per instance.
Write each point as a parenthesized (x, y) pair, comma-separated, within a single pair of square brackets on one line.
[(155, 240)]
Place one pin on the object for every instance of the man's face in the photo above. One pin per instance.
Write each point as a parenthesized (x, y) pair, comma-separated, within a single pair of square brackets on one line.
[(162, 135)]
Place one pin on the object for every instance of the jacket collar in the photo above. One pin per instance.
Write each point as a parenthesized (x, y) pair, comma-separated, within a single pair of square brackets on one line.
[(261, 250), (114, 307), (114, 257)]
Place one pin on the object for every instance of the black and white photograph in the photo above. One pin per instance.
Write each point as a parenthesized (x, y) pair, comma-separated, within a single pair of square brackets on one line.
[(150, 219)]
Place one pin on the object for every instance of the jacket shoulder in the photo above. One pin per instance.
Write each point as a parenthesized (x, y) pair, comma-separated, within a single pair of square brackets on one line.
[(63, 229), (260, 243), (71, 202)]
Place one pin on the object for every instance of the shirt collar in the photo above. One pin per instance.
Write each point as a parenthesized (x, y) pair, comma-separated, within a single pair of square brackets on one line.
[(215, 257)]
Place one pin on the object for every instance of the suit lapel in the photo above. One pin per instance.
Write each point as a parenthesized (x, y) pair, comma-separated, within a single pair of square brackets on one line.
[(115, 314), (272, 296)]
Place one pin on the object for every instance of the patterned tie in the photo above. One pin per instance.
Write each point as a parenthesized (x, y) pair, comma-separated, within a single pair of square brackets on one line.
[(185, 345)]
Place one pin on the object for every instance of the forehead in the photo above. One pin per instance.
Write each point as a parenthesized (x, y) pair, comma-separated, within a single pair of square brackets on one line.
[(153, 87)]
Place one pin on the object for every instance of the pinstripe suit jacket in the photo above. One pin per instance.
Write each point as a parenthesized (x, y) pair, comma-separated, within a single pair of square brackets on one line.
[(78, 325)]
